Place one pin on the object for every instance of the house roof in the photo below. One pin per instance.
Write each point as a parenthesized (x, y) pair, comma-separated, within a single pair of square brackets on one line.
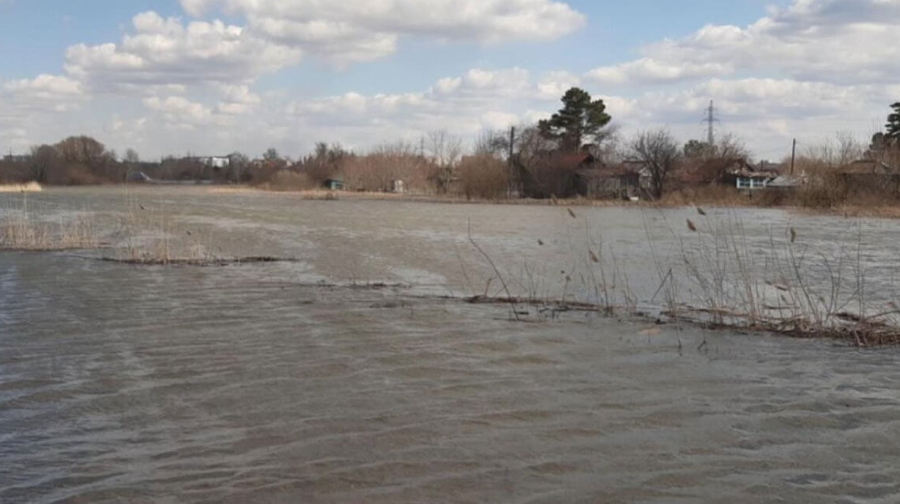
[(742, 168), (787, 181), (865, 167), (572, 161), (607, 171)]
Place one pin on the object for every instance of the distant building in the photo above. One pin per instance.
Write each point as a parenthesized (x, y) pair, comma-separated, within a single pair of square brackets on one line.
[(17, 158), (216, 161), (871, 177), (865, 167), (138, 178), (609, 182), (398, 186), (746, 176), (334, 184), (554, 174)]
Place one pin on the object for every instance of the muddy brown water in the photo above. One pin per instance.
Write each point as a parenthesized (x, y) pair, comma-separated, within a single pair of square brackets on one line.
[(254, 384)]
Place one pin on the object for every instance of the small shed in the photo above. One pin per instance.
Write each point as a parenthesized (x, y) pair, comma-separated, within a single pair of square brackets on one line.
[(398, 186), (334, 184)]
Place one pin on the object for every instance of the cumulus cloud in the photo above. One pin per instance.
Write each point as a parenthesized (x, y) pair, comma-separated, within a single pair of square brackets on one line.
[(164, 51), (362, 30), (44, 93), (653, 71), (237, 99), (806, 70), (838, 41), (483, 20), (466, 104), (182, 112), (46, 86)]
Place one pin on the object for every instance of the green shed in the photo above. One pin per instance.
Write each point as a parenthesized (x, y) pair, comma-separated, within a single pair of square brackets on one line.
[(334, 185)]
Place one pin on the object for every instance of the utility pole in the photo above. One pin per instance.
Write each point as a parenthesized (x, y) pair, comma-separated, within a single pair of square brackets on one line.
[(512, 147), (711, 124), (793, 156)]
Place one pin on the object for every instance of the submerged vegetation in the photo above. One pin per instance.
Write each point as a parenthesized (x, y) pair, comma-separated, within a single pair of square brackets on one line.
[(22, 230), (716, 277), (708, 270)]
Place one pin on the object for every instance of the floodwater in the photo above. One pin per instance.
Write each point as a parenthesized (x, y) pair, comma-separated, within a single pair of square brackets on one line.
[(354, 374)]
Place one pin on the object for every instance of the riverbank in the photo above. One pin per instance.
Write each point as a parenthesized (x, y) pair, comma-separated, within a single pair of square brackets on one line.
[(715, 198)]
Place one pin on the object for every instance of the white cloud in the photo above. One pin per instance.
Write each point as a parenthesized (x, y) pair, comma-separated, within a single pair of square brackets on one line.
[(649, 70), (807, 70), (553, 85), (181, 112), (166, 52), (47, 87), (237, 99), (363, 30), (838, 41)]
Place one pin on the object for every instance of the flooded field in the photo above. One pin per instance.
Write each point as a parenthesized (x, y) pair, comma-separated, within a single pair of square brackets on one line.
[(355, 373)]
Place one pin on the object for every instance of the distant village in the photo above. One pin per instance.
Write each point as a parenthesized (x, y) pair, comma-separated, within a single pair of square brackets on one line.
[(573, 154)]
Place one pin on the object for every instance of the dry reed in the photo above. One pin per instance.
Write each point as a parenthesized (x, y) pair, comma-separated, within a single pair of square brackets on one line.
[(718, 277)]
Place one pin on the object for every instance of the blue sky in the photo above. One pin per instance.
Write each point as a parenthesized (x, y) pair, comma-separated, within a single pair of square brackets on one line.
[(166, 76)]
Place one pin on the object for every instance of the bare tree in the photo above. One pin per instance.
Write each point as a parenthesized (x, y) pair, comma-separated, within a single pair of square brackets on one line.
[(731, 147), (240, 167), (45, 160), (660, 154), (849, 148), (83, 150), (132, 156), (271, 154), (445, 150), (492, 143), (843, 149), (386, 163), (483, 176)]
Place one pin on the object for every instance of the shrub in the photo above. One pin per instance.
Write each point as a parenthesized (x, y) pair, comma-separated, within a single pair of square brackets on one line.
[(285, 180), (484, 177)]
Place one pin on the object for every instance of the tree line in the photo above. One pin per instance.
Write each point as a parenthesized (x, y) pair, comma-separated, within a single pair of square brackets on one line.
[(536, 160)]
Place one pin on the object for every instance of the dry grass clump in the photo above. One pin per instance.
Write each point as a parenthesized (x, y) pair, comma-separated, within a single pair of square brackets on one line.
[(147, 236), (782, 286), (717, 277), (30, 187), (26, 234), (21, 230), (285, 180)]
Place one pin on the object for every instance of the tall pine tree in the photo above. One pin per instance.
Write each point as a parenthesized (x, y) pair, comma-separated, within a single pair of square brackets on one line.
[(580, 121), (893, 125)]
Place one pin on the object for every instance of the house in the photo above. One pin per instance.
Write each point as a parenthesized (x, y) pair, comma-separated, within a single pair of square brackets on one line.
[(554, 174), (870, 176), (746, 176), (608, 182), (865, 167), (785, 183), (217, 162)]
